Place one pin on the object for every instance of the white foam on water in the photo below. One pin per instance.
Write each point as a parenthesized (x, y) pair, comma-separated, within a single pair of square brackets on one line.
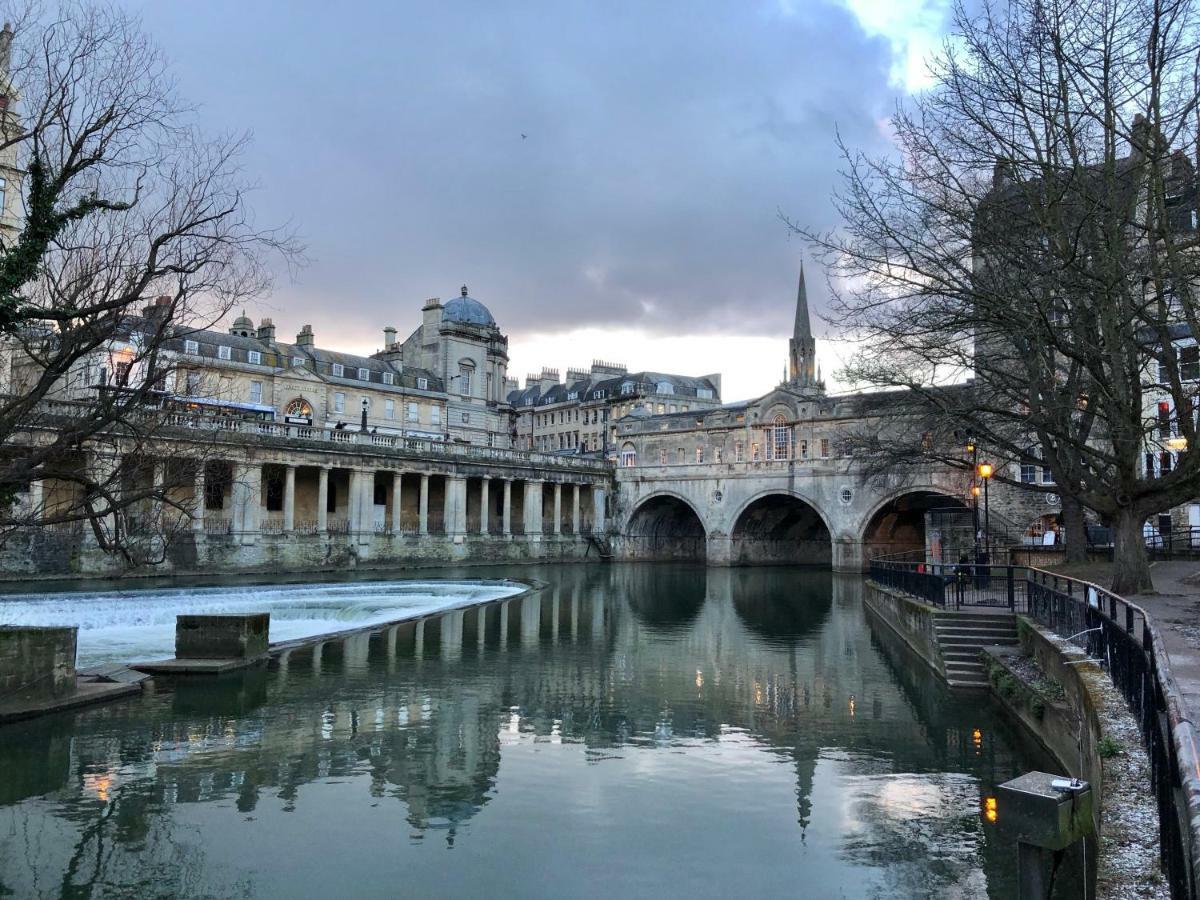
[(136, 626)]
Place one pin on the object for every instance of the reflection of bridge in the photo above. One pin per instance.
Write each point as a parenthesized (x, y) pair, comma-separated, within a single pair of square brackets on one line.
[(820, 512), (633, 657)]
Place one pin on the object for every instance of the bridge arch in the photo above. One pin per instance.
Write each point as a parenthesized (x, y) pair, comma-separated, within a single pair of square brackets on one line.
[(780, 527), (665, 526), (897, 524)]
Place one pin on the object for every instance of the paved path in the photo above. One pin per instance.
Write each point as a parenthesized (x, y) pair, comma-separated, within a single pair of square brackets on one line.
[(1175, 610)]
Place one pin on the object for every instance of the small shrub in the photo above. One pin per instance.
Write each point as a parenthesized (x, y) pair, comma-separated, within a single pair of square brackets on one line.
[(1108, 748)]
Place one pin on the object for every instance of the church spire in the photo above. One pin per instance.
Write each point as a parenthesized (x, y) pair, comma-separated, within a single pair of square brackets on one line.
[(802, 348), (803, 327)]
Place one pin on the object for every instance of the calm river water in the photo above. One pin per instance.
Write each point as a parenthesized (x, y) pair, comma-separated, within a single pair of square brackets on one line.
[(629, 730)]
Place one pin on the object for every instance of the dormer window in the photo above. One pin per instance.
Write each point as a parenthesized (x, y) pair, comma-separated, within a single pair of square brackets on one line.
[(364, 374), (191, 347), (389, 378), (298, 361), (255, 357), (338, 370), (704, 393), (224, 352), (627, 387), (665, 387), (422, 384)]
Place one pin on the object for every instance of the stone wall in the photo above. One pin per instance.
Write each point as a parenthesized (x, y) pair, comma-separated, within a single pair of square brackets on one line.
[(908, 618), (36, 662)]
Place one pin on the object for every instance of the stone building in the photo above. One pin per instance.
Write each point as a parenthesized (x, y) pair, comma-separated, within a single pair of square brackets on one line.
[(580, 414)]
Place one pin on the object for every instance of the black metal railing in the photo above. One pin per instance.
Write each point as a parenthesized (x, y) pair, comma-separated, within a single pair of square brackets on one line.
[(1118, 635), (952, 585)]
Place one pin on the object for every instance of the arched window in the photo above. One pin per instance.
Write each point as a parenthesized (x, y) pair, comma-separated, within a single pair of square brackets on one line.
[(781, 438), (299, 409), (628, 456)]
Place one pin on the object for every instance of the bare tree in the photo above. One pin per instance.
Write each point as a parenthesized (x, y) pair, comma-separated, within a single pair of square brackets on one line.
[(1025, 266), (123, 229)]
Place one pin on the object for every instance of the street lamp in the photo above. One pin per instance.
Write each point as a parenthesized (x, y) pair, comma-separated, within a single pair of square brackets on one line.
[(985, 471), (973, 449)]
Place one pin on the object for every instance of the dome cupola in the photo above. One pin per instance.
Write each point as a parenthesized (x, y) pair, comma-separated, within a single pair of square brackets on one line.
[(468, 311)]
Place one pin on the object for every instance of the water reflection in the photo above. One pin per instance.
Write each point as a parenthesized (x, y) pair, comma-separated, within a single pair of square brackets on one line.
[(745, 725)]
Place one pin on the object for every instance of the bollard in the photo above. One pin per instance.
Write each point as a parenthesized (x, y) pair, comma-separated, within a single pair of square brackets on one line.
[(1046, 814)]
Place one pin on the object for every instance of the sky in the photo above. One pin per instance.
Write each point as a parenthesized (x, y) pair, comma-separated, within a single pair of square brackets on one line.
[(608, 178)]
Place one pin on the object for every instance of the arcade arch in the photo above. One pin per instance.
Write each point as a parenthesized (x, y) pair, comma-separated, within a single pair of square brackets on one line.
[(899, 525), (665, 527), (780, 528)]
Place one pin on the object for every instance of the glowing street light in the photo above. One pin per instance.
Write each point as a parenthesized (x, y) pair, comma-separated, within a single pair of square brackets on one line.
[(986, 470)]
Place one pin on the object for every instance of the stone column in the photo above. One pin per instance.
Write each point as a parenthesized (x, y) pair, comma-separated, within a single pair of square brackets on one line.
[(366, 506), (323, 500), (423, 509), (455, 515), (533, 508), (397, 507), (483, 506), (506, 517), (36, 498), (575, 520), (557, 529), (289, 499), (247, 500), (105, 472), (198, 498), (354, 503), (599, 525)]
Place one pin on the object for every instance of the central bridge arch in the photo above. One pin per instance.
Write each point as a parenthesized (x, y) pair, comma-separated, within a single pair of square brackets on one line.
[(897, 524), (779, 527)]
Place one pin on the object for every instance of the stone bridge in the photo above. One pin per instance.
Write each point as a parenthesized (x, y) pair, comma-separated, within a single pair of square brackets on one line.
[(818, 512)]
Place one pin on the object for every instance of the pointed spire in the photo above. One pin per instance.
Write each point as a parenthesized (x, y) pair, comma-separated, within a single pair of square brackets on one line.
[(803, 327)]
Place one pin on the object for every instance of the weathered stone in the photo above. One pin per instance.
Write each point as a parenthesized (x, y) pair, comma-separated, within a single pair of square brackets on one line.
[(37, 662), (222, 637)]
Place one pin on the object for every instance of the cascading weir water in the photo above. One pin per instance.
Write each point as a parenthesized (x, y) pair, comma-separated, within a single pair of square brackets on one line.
[(132, 625)]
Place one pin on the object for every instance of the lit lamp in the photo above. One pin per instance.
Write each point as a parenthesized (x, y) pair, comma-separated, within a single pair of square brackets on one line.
[(985, 471), (1178, 444)]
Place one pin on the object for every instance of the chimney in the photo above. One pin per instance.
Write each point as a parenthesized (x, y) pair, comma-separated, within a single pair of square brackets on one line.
[(548, 379), (389, 336), (266, 331), (1001, 173), (305, 337), (6, 38), (160, 309)]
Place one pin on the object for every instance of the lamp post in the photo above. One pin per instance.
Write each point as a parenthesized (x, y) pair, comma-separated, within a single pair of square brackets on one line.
[(985, 472), (974, 451)]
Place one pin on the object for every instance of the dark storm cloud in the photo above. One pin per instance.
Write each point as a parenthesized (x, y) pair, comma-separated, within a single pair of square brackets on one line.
[(661, 141)]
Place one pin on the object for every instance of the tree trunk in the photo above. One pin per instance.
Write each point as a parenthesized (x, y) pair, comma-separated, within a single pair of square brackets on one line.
[(1131, 565), (1075, 528)]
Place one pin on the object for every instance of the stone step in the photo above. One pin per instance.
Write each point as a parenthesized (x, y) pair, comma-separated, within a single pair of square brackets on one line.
[(977, 637)]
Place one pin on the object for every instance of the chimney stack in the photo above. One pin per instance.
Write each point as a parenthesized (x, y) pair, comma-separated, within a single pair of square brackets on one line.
[(266, 331), (389, 337), (6, 38), (305, 338), (160, 309)]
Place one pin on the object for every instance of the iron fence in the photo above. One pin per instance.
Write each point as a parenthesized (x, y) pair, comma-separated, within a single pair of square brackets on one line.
[(1117, 634), (952, 585)]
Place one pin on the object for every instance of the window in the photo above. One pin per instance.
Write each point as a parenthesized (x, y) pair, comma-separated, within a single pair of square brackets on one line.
[(661, 409), (193, 384), (338, 370), (739, 451), (339, 401), (699, 454), (718, 453), (389, 409), (627, 387), (435, 415), (628, 456), (662, 456), (256, 392), (255, 357), (1164, 462), (121, 374), (412, 412), (422, 384), (188, 346), (389, 378), (299, 409), (1164, 419), (704, 393), (754, 452), (1047, 475), (298, 361), (824, 448), (3, 190), (781, 438), (364, 374), (1028, 472), (1149, 465), (224, 352), (464, 379), (1189, 363), (804, 449), (466, 418)]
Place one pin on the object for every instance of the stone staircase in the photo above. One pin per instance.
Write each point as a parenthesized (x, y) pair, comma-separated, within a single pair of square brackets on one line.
[(961, 635)]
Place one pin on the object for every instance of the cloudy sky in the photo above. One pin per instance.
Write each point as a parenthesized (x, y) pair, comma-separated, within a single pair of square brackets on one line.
[(606, 176)]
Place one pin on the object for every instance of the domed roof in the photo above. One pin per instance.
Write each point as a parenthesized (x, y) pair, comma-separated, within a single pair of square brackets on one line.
[(243, 321), (468, 310)]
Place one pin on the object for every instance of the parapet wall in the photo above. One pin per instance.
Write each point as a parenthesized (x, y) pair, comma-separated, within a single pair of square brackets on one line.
[(908, 618), (36, 662)]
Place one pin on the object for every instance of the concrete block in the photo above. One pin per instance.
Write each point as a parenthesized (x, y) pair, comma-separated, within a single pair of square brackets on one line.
[(1035, 811), (37, 662), (222, 637)]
